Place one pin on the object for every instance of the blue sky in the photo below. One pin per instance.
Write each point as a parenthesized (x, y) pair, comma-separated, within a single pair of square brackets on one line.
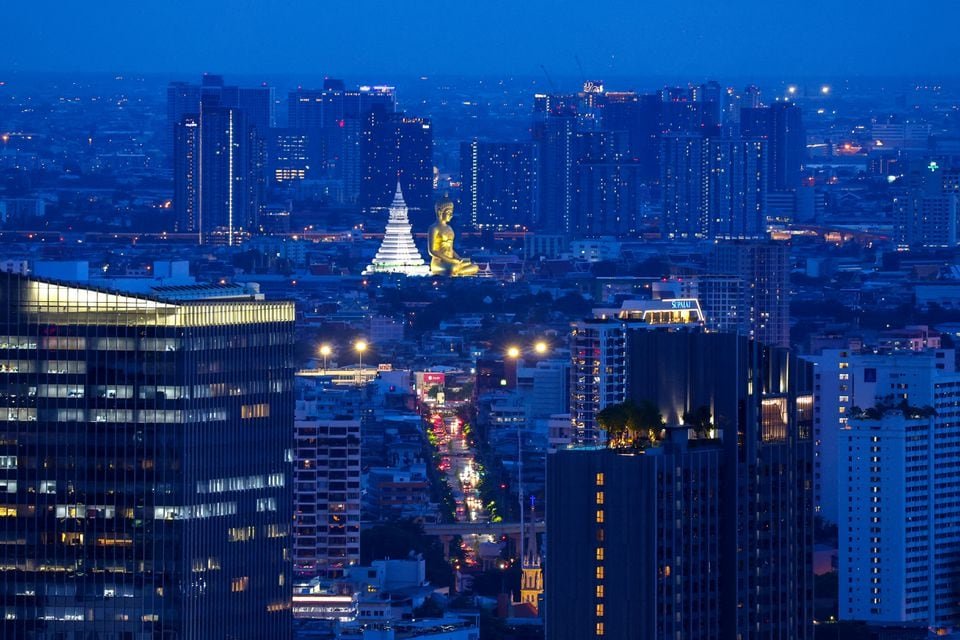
[(813, 38)]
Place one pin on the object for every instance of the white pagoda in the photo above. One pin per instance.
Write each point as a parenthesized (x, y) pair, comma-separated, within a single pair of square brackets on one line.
[(398, 253)]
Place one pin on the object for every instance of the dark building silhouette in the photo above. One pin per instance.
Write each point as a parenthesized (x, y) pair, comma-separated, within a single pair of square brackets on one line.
[(712, 187), (781, 125), (638, 116), (555, 137), (607, 185), (925, 213), (593, 159), (762, 299), (218, 156), (397, 147), (332, 118), (145, 466), (706, 537), (499, 186)]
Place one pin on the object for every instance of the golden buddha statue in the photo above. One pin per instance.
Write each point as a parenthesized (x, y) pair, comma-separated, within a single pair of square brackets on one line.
[(443, 259)]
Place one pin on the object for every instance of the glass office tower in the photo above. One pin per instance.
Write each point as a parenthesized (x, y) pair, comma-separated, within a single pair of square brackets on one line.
[(144, 464)]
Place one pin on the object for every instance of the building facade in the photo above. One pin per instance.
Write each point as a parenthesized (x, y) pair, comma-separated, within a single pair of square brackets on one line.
[(499, 186), (144, 459), (763, 307), (326, 493), (899, 533), (760, 403), (632, 540)]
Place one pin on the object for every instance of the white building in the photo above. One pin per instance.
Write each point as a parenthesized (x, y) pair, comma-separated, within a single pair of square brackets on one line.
[(326, 485), (899, 530), (843, 380)]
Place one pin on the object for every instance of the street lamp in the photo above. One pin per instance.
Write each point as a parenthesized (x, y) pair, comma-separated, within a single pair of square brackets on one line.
[(360, 346), (540, 347), (325, 351)]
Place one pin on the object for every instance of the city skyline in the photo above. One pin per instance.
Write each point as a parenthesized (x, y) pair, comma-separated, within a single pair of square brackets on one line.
[(499, 321)]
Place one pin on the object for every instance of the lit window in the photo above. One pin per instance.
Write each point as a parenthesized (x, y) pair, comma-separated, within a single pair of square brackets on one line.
[(599, 479), (599, 553), (599, 497), (600, 516), (599, 628), (239, 584), (600, 610), (249, 411), (599, 590), (600, 572)]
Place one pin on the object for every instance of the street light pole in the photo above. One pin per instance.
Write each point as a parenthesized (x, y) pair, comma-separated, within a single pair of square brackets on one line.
[(361, 346), (325, 352)]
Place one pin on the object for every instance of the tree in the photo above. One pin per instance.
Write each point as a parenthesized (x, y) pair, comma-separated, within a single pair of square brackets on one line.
[(649, 420), (630, 424), (613, 419), (699, 420)]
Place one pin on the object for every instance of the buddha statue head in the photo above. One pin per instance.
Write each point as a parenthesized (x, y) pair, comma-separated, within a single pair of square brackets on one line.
[(444, 209)]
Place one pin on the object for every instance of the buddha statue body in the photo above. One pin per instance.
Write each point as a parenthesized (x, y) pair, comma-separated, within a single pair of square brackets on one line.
[(443, 259)]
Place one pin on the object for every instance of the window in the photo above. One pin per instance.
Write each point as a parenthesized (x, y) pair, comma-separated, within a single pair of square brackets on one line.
[(599, 553), (599, 516), (249, 411), (599, 480), (600, 591), (600, 497), (599, 610), (599, 628), (239, 584), (600, 572)]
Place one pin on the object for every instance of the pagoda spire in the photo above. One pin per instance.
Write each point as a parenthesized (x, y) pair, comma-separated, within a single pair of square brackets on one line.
[(398, 253)]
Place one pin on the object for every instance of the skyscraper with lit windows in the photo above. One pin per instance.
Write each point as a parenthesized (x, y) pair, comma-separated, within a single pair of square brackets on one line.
[(397, 147), (707, 533), (144, 463), (499, 185)]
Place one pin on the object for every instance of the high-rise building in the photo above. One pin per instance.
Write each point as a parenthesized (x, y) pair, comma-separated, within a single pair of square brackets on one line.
[(186, 168), (555, 137), (763, 268), (712, 187), (598, 354), (781, 125), (326, 476), (720, 298), (899, 528), (183, 99), (499, 186), (218, 157), (144, 460), (292, 155), (327, 108), (926, 213), (397, 147), (740, 571), (607, 187), (845, 380), (333, 119), (639, 117), (258, 103), (625, 529)]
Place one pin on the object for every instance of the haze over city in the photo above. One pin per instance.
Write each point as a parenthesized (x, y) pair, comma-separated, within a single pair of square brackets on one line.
[(479, 321)]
